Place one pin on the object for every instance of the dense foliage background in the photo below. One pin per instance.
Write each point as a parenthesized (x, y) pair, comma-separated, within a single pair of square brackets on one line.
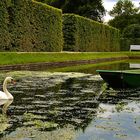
[(29, 25), (92, 9), (127, 20)]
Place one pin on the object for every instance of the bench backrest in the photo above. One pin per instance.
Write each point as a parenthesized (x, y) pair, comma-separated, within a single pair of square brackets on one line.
[(134, 47)]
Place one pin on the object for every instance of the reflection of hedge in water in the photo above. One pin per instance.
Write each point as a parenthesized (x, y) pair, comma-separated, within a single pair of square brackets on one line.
[(27, 25), (117, 96), (82, 34), (79, 106), (91, 68), (117, 66), (71, 102)]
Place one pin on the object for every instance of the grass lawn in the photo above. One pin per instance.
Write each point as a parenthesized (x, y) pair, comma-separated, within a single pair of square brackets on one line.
[(34, 57)]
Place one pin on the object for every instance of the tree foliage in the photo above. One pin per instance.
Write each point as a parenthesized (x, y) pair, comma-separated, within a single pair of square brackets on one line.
[(127, 20), (125, 14), (87, 8), (132, 31), (56, 3), (121, 22), (123, 7)]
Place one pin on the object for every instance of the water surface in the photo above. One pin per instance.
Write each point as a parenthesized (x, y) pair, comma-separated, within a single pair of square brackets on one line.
[(69, 106)]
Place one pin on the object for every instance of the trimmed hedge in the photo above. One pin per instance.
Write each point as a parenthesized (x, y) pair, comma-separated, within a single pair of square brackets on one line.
[(83, 34), (5, 37), (27, 25), (126, 42)]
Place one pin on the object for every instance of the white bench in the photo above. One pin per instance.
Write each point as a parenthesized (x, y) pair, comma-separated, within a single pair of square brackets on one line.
[(134, 47), (133, 65)]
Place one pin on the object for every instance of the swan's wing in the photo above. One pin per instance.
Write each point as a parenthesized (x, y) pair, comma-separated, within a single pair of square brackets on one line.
[(1, 92), (2, 95), (3, 101)]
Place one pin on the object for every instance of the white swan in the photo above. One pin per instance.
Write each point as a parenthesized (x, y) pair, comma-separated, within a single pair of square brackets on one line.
[(6, 94)]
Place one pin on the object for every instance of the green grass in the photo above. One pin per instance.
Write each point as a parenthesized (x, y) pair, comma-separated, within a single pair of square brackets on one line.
[(22, 58), (132, 53)]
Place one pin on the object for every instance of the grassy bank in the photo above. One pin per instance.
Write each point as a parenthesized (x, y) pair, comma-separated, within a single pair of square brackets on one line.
[(23, 58)]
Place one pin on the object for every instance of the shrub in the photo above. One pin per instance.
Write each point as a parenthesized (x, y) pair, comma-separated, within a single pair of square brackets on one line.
[(33, 26), (126, 42), (132, 31), (130, 36), (82, 34)]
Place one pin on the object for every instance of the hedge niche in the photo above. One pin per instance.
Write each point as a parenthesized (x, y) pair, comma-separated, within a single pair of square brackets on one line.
[(82, 34), (33, 26)]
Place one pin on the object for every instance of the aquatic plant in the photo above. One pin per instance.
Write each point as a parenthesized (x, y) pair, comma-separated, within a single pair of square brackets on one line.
[(120, 106), (36, 121), (4, 123)]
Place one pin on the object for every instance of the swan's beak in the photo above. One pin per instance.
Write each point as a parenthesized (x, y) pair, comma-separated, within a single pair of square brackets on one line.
[(13, 82)]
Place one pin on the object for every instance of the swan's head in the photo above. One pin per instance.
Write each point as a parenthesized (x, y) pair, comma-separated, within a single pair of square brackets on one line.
[(9, 80)]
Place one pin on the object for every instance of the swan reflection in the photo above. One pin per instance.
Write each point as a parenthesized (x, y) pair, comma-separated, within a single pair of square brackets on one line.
[(4, 119), (5, 104)]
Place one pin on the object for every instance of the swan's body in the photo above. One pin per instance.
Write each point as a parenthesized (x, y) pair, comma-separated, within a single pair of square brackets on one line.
[(5, 94)]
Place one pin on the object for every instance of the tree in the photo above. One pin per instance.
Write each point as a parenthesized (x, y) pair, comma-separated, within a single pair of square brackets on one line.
[(125, 14), (121, 22), (132, 31), (87, 8), (123, 7), (56, 3)]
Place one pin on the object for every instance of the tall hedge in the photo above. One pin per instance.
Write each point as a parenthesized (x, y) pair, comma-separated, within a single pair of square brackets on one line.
[(82, 34), (5, 37), (30, 26)]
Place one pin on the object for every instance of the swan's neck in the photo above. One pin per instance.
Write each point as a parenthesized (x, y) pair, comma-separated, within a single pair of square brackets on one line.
[(9, 96)]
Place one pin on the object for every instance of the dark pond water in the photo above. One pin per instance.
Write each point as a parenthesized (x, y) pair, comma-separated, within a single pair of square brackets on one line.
[(69, 106)]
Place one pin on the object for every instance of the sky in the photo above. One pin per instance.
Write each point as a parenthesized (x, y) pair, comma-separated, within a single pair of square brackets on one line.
[(108, 4)]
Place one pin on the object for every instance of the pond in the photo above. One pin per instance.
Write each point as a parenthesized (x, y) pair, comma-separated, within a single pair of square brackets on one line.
[(69, 104)]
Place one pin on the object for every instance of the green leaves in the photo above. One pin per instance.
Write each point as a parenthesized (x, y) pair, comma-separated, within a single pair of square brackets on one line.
[(28, 25), (34, 120), (132, 31), (92, 9), (83, 34), (123, 7), (130, 35)]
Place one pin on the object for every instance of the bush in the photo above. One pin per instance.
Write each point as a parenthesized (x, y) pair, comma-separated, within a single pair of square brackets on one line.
[(82, 34), (32, 26), (131, 36), (132, 31), (126, 42)]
